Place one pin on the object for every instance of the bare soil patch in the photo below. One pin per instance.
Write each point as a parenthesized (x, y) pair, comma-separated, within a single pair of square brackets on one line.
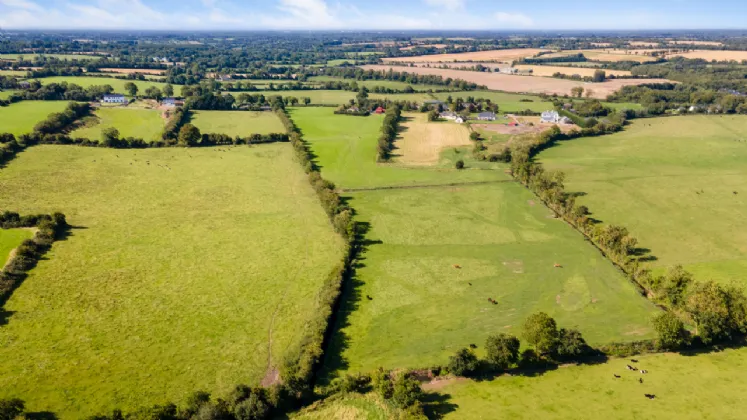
[(521, 84), (492, 55), (421, 142)]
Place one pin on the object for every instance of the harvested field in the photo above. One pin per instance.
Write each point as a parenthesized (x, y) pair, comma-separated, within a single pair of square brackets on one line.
[(643, 43), (128, 71), (492, 55), (712, 43), (412, 47), (601, 44), (607, 55), (713, 55), (421, 141), (525, 84), (550, 70)]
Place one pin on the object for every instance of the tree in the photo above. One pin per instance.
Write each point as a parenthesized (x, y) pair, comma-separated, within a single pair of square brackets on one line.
[(718, 313), (599, 76), (110, 137), (189, 135), (153, 93), (433, 115), (407, 391), (131, 88), (541, 331), (503, 350), (474, 136), (589, 93), (168, 90), (577, 91), (382, 383), (306, 100), (671, 286), (670, 331), (463, 363), (252, 408), (10, 409), (459, 164), (571, 344)]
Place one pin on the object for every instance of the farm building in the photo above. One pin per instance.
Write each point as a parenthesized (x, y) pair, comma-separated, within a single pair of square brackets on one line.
[(550, 117), (172, 102), (114, 99), (486, 116), (509, 70), (448, 115), (24, 84), (379, 110), (566, 120)]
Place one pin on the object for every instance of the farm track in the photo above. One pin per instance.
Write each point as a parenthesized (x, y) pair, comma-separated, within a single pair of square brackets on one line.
[(408, 187)]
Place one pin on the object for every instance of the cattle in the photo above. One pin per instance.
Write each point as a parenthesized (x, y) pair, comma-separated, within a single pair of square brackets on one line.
[(644, 371), (470, 284), (735, 193), (616, 376), (369, 297), (556, 265), (457, 266), (630, 367), (634, 360), (650, 396), (473, 346), (640, 380)]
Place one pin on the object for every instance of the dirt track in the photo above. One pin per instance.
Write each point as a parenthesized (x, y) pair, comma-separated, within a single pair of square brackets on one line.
[(521, 84)]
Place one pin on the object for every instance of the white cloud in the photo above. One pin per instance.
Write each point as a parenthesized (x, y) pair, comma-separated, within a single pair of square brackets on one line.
[(513, 20), (304, 14), (451, 5), (21, 4)]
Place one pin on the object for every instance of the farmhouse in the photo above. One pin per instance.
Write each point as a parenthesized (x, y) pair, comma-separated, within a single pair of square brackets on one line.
[(114, 99), (448, 115), (510, 70), (550, 117), (486, 116), (172, 102)]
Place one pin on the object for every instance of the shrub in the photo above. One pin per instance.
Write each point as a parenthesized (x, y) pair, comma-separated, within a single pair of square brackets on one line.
[(670, 331), (406, 391), (459, 164), (10, 409), (463, 363), (252, 408), (382, 383), (503, 350), (571, 344)]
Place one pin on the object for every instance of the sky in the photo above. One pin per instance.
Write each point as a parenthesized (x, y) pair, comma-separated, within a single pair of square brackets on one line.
[(373, 14)]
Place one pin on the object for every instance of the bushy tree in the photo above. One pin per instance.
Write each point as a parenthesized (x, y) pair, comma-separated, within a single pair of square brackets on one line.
[(719, 313), (463, 363), (671, 287), (10, 409), (252, 408), (459, 164), (189, 135), (541, 331), (131, 88), (670, 331), (168, 89), (571, 344), (382, 383), (110, 137), (503, 350), (406, 391)]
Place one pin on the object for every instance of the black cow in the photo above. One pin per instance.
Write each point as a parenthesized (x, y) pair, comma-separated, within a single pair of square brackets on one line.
[(650, 396)]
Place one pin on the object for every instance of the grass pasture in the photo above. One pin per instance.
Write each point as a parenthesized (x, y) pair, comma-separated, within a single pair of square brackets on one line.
[(346, 150), (678, 184), (9, 240), (422, 309), (117, 84), (687, 387), (421, 142), (391, 84), (5, 94), (196, 271), (507, 102), (146, 124), (21, 117), (237, 123)]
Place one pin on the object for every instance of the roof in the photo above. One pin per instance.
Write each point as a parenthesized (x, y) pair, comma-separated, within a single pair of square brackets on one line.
[(114, 95), (486, 114)]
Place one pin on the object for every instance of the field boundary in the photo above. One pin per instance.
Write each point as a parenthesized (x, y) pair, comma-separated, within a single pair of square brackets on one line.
[(408, 187)]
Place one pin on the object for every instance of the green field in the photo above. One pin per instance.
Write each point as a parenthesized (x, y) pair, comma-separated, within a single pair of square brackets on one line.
[(117, 84), (237, 123), (687, 387), (9, 240), (146, 124), (31, 56), (391, 84), (21, 117), (346, 149), (17, 73), (507, 102), (180, 265), (678, 184), (422, 309), (4, 94), (338, 97)]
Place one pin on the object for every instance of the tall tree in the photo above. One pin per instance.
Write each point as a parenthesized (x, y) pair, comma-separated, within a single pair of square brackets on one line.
[(189, 135), (503, 350), (541, 331), (131, 88), (168, 90)]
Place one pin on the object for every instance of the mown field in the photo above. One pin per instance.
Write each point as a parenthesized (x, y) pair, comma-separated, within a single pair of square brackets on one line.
[(237, 123), (421, 142), (9, 240), (391, 84), (409, 306), (146, 124), (117, 84), (186, 269), (678, 184), (17, 73), (688, 386), (346, 150), (507, 102), (82, 57), (21, 117)]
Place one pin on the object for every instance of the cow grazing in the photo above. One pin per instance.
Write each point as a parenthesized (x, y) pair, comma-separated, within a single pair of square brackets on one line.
[(473, 346), (630, 367), (644, 371), (634, 360), (735, 193), (650, 396), (556, 265), (616, 376), (369, 297), (470, 284), (640, 380), (457, 266)]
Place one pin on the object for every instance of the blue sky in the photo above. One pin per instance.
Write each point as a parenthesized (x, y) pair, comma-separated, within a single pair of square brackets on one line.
[(373, 14)]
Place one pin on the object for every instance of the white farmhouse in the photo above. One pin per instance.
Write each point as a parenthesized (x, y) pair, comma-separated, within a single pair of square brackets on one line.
[(550, 117), (114, 99)]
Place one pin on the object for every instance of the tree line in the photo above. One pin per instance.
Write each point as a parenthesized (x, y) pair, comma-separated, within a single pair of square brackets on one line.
[(388, 133)]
